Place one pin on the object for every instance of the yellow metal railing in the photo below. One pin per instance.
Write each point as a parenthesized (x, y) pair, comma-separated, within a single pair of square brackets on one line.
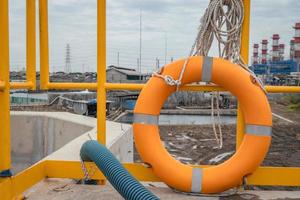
[(30, 82), (5, 160), (14, 186), (2, 85)]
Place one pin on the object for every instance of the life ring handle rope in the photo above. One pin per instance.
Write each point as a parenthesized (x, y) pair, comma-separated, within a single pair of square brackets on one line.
[(206, 74)]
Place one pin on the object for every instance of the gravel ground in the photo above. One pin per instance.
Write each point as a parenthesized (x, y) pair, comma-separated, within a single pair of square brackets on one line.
[(196, 144)]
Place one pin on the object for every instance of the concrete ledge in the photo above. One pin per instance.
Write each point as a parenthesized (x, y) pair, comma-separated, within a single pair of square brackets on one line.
[(59, 136), (119, 141)]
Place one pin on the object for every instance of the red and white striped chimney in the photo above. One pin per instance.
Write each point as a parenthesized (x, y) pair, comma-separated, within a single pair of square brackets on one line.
[(281, 51), (255, 54), (275, 48), (292, 49), (264, 51), (297, 43)]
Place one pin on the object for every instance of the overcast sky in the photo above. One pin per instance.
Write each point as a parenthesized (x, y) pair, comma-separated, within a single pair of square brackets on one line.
[(74, 22)]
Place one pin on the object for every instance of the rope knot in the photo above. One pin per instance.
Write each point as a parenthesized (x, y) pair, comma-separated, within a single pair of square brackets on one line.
[(170, 81)]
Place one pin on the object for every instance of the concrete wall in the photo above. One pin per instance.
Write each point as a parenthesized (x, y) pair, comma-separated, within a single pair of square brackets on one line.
[(122, 147), (35, 135)]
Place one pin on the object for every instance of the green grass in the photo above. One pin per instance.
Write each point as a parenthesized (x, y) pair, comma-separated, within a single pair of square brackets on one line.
[(293, 101)]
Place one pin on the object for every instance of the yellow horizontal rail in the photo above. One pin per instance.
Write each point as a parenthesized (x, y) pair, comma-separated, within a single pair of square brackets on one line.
[(21, 85), (13, 187), (275, 176), (6, 189), (131, 86), (124, 86), (72, 86), (263, 176), (283, 89), (271, 89)]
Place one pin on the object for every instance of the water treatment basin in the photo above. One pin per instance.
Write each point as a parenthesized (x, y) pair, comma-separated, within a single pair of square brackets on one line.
[(59, 135)]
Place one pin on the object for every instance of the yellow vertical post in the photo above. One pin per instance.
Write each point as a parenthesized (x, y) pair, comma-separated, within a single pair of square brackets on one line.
[(44, 44), (30, 42), (5, 160), (245, 55), (101, 71)]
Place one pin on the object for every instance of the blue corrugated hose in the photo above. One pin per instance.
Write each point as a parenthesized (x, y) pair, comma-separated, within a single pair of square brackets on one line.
[(114, 171)]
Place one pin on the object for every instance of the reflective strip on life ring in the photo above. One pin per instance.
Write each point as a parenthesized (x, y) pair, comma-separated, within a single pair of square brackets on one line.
[(214, 179)]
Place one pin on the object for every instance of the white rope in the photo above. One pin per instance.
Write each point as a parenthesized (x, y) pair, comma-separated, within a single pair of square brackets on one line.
[(219, 122), (169, 79), (213, 119), (222, 20)]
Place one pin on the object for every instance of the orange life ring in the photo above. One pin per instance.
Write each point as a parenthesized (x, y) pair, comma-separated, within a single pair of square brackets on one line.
[(214, 179)]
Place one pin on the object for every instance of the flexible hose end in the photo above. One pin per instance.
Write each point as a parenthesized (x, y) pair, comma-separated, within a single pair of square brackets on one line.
[(128, 187)]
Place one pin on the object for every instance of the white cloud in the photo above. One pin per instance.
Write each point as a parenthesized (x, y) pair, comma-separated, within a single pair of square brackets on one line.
[(63, 2), (74, 22)]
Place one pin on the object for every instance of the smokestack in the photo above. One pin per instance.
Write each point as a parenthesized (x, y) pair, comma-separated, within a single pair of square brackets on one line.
[(281, 51), (292, 49), (255, 54), (297, 43), (275, 48), (264, 51)]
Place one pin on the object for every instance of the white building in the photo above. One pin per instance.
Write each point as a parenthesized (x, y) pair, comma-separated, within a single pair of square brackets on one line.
[(116, 74)]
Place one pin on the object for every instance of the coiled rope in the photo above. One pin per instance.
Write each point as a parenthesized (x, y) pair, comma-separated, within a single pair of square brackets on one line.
[(222, 20)]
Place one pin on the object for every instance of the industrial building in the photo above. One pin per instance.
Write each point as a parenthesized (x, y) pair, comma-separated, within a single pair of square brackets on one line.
[(272, 65), (116, 74)]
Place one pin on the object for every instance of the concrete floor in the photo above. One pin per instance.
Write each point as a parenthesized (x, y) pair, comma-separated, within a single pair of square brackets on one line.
[(61, 189)]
